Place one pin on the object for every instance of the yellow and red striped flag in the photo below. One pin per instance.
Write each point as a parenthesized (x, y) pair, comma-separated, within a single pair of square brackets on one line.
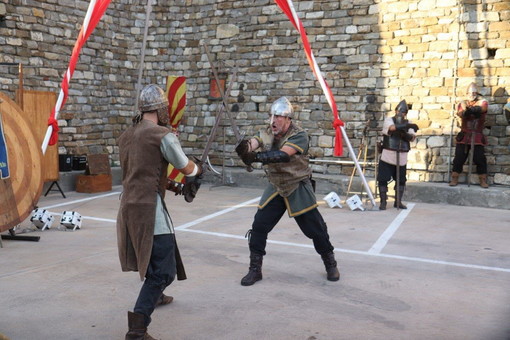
[(176, 94), (175, 175)]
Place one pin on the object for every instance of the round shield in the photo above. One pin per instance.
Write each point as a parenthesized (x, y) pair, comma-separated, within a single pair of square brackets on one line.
[(20, 165)]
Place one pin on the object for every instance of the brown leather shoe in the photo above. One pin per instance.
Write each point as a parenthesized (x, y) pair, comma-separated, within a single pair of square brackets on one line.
[(455, 179), (483, 181), (164, 300)]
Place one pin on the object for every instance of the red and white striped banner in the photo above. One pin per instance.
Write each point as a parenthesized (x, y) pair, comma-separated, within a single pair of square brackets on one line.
[(94, 13), (288, 8)]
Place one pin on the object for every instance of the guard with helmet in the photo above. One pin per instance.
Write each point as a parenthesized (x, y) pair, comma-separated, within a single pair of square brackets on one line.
[(471, 138), (145, 234), (398, 132), (284, 155)]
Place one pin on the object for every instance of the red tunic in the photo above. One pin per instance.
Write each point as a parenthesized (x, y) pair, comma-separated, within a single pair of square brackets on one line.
[(471, 125)]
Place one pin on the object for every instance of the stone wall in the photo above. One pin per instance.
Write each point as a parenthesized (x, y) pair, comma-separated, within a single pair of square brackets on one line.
[(373, 53)]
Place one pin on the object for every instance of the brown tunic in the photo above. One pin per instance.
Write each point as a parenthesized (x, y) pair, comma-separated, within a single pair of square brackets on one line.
[(287, 176), (290, 180), (144, 176)]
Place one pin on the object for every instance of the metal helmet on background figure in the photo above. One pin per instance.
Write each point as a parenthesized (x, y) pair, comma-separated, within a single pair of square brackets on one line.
[(472, 92), (153, 98), (401, 110), (282, 107), (402, 107)]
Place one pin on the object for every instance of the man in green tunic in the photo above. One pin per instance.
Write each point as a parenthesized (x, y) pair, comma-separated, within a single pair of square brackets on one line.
[(284, 154)]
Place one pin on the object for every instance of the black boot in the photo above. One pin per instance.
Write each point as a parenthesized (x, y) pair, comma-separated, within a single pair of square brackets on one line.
[(137, 327), (255, 270), (330, 264), (398, 199), (383, 193)]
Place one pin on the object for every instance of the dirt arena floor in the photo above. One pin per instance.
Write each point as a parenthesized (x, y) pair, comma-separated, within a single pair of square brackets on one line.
[(429, 272)]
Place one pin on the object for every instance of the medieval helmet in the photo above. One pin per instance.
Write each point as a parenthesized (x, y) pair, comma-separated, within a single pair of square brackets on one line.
[(282, 107), (153, 98), (472, 91), (402, 107)]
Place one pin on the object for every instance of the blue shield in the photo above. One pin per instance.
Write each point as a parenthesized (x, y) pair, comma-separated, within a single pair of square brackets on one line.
[(4, 157)]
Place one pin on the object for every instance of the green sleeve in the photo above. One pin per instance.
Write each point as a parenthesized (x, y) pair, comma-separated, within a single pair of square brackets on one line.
[(299, 142)]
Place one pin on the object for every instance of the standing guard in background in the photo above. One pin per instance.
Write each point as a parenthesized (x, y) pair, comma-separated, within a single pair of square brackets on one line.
[(471, 139), (506, 110), (145, 234), (398, 132), (285, 158)]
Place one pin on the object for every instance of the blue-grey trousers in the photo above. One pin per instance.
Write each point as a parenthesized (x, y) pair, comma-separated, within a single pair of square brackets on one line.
[(160, 274)]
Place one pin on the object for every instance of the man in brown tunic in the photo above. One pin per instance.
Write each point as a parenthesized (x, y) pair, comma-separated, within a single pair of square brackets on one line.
[(145, 233), (284, 154)]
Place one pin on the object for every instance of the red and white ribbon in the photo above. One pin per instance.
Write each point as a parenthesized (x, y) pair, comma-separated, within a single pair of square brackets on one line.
[(288, 8), (94, 13)]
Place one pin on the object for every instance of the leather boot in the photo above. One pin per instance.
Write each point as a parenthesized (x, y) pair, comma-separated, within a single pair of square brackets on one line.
[(455, 179), (254, 272), (164, 300), (330, 264), (137, 328), (398, 200), (483, 181), (383, 193)]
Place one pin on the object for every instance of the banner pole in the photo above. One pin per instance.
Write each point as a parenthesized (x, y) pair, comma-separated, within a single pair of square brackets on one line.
[(142, 57)]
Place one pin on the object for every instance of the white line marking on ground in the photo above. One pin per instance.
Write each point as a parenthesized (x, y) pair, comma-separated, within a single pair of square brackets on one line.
[(391, 230), (358, 252), (81, 200), (181, 227), (221, 212), (374, 251)]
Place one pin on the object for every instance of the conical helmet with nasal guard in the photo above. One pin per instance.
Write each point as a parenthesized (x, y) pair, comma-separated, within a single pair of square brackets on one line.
[(402, 107), (282, 107)]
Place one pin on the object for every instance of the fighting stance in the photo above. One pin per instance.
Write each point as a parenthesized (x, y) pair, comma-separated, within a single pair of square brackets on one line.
[(145, 234), (284, 152), (471, 138), (398, 132)]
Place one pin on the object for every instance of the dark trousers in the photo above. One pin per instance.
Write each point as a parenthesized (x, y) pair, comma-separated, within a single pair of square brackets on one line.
[(386, 171), (462, 153), (311, 224), (160, 274)]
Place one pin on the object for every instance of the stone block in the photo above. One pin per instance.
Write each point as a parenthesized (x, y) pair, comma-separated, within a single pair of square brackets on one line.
[(503, 53), (502, 179), (397, 7), (224, 31), (436, 141), (325, 141)]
